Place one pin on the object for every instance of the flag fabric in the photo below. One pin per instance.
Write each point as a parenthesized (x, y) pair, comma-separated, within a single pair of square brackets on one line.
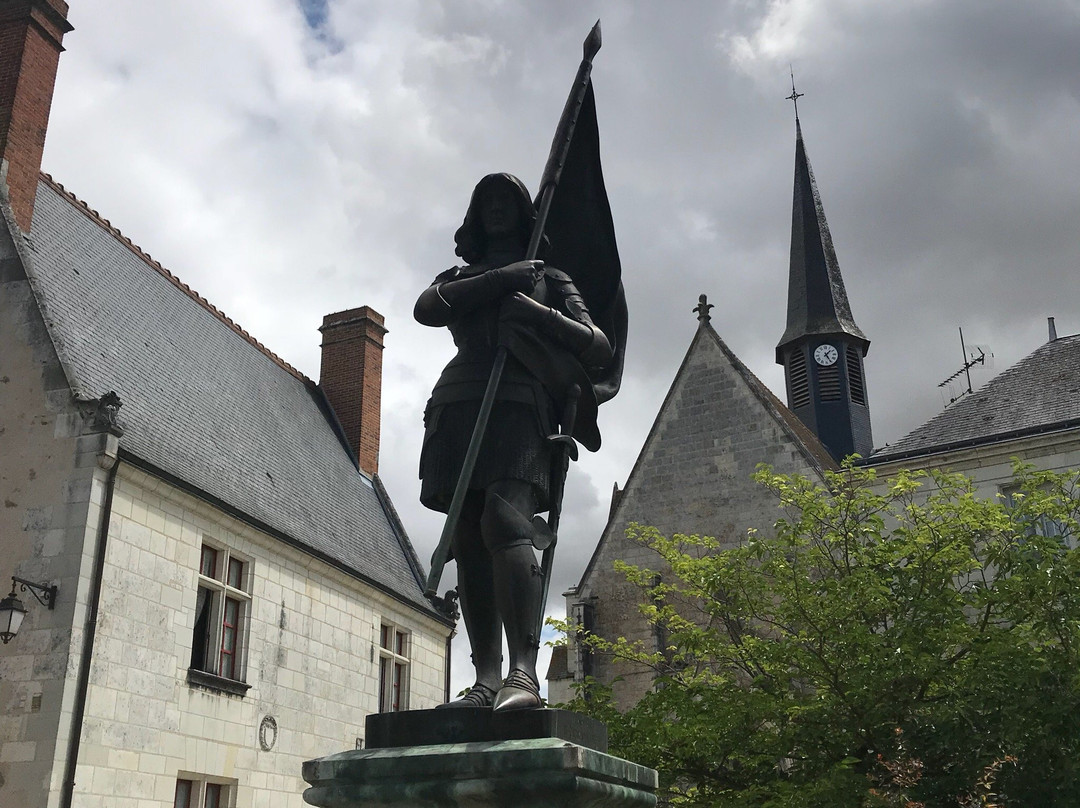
[(581, 236)]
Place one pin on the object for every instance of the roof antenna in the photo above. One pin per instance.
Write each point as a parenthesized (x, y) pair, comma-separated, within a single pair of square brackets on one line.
[(795, 96), (965, 370)]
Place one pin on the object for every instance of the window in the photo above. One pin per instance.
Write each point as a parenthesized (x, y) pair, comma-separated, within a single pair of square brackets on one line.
[(193, 791), (393, 669), (1044, 525), (583, 614), (798, 380), (222, 606), (184, 788), (856, 387), (829, 382)]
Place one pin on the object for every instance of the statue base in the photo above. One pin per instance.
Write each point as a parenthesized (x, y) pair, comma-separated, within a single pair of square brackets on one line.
[(456, 763), (475, 724)]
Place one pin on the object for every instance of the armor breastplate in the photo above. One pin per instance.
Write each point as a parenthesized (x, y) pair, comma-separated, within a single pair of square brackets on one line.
[(465, 377)]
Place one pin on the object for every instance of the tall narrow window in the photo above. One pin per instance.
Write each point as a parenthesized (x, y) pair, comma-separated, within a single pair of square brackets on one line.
[(829, 382), (584, 616), (798, 380), (230, 633), (221, 608), (393, 668), (855, 376), (184, 790), (214, 796)]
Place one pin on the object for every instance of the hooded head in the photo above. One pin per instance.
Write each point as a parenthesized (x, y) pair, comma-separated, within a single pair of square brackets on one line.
[(471, 237)]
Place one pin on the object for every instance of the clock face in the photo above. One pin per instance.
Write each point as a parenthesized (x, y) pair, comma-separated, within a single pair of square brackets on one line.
[(825, 355)]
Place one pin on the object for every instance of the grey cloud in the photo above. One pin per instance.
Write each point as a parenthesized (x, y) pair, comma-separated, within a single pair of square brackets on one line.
[(286, 173)]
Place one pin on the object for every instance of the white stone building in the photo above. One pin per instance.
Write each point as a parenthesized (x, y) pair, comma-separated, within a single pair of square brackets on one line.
[(235, 592)]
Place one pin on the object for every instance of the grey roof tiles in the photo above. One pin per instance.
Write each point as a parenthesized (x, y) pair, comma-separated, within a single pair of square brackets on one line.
[(203, 402), (1040, 392)]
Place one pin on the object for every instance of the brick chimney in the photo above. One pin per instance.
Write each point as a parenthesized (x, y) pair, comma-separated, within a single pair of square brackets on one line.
[(31, 33), (351, 378)]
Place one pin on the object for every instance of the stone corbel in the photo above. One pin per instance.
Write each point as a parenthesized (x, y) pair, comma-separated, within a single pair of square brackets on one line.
[(103, 414)]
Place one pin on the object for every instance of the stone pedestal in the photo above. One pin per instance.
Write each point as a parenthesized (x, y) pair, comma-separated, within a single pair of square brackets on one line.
[(480, 772)]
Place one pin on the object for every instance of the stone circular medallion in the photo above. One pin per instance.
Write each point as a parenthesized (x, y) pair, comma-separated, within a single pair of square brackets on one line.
[(267, 733)]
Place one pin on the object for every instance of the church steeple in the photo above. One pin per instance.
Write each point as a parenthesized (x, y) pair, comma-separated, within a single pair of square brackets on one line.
[(822, 348)]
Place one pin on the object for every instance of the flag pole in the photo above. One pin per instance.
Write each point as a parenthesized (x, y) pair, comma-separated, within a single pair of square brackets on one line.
[(560, 146)]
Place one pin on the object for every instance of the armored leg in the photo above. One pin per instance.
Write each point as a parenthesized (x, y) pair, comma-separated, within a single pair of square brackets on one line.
[(481, 615), (508, 534)]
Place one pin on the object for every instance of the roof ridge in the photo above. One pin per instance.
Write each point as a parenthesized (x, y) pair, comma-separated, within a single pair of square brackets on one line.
[(138, 251)]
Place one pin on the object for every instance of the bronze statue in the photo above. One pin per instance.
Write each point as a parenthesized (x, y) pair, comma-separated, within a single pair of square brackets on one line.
[(533, 364), (499, 580)]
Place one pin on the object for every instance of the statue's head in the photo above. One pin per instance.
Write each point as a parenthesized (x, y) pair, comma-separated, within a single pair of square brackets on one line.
[(499, 203)]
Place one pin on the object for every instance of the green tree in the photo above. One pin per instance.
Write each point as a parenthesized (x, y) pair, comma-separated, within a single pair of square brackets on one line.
[(895, 642)]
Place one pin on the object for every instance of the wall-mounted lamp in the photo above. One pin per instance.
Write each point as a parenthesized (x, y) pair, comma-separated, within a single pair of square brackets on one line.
[(12, 611)]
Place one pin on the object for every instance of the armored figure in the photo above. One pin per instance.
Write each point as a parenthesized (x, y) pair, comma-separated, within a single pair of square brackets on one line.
[(538, 314)]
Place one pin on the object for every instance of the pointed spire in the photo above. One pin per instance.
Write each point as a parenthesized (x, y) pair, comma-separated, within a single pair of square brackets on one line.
[(817, 300)]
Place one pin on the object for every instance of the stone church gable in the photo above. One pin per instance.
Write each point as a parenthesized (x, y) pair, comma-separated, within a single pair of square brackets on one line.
[(717, 423)]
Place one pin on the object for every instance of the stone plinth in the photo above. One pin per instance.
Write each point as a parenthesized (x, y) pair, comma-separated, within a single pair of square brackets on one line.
[(474, 724), (531, 773)]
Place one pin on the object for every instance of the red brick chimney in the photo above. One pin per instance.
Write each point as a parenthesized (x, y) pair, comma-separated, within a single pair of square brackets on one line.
[(351, 378), (31, 33)]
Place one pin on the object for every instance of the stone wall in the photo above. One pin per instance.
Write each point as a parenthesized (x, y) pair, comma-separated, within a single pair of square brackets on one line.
[(311, 660), (52, 479), (692, 477), (990, 465)]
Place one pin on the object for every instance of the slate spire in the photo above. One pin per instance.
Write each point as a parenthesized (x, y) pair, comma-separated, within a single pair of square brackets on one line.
[(822, 348), (817, 300)]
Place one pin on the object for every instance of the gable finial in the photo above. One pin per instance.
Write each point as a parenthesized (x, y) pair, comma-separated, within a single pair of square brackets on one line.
[(795, 96), (702, 309)]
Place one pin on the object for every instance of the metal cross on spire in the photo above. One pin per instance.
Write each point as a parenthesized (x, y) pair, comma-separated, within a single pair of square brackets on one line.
[(795, 96)]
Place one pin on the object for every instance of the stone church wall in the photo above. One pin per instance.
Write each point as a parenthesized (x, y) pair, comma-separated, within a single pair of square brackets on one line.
[(692, 477)]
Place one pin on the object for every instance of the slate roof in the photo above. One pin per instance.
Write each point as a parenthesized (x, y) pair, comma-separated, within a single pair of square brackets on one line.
[(204, 402), (817, 299), (1040, 393)]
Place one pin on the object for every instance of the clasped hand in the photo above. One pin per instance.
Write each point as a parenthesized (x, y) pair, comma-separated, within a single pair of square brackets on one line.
[(519, 280), (521, 276)]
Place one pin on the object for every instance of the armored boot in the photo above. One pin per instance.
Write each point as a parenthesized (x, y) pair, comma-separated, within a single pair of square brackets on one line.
[(518, 592), (480, 615)]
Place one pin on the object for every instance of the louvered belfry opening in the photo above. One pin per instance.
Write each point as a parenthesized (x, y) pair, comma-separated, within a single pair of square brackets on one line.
[(855, 376), (798, 380), (829, 382)]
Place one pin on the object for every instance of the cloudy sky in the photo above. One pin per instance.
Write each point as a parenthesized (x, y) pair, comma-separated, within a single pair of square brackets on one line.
[(290, 158)]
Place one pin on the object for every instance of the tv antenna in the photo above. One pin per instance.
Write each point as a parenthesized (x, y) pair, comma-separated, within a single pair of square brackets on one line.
[(977, 356)]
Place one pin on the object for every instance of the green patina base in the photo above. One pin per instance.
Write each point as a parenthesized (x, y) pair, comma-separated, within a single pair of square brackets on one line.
[(534, 773)]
